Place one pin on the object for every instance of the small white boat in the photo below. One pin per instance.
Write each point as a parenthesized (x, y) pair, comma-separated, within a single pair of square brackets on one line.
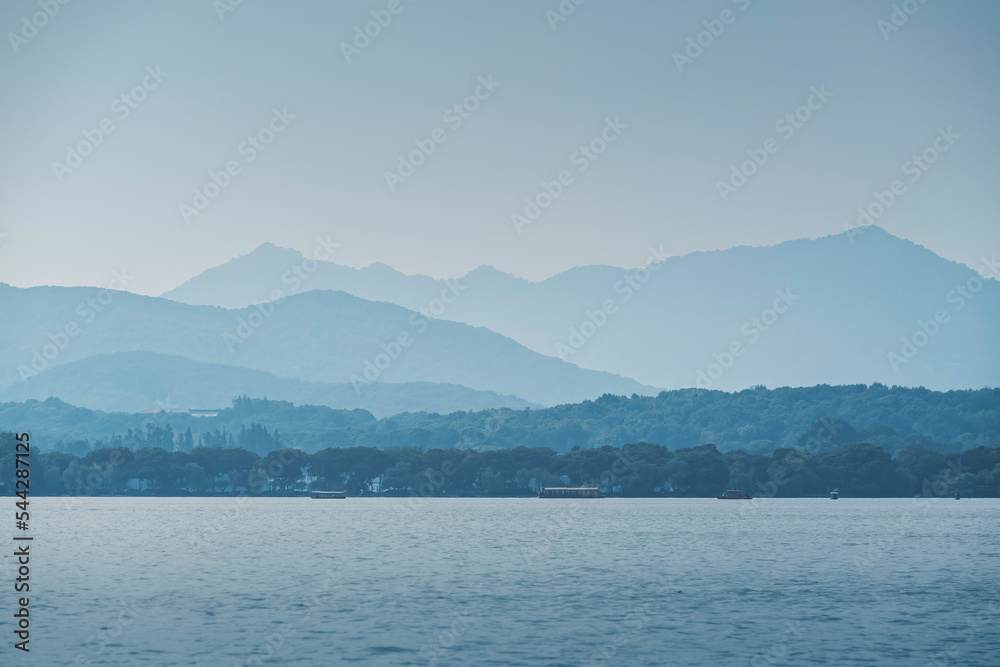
[(570, 492), (834, 494), (332, 495)]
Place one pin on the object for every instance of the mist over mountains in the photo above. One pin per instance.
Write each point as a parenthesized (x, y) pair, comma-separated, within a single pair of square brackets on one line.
[(139, 381), (318, 336), (863, 306)]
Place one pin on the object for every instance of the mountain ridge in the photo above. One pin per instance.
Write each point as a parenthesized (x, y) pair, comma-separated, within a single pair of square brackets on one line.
[(136, 381), (319, 336), (296, 255), (863, 291)]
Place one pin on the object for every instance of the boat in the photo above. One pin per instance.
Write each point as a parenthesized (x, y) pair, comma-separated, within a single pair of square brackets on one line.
[(330, 494), (734, 494), (570, 492), (834, 494), (957, 497)]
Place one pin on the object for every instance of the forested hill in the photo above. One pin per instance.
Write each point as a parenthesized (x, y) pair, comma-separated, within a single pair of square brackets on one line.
[(755, 420)]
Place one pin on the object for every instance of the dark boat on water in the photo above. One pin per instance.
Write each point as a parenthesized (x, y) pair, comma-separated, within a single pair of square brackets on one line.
[(835, 494), (331, 495), (734, 494), (570, 492)]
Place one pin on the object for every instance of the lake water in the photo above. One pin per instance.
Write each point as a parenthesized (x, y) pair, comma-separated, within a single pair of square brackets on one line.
[(163, 581)]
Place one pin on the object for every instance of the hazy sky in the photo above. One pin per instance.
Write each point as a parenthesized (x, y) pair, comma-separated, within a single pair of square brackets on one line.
[(676, 133)]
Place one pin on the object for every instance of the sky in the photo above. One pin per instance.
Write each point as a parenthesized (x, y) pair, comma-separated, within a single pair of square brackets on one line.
[(116, 115)]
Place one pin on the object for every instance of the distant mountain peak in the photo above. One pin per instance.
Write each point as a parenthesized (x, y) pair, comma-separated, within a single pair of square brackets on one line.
[(382, 268), (485, 271), (268, 249)]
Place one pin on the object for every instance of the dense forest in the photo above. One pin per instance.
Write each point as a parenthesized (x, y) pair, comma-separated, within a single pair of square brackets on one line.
[(757, 421), (865, 440), (640, 469)]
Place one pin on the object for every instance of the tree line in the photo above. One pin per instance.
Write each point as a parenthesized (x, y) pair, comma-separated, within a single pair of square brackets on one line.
[(641, 469), (757, 421)]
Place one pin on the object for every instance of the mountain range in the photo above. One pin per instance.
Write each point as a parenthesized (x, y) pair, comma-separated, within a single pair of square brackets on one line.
[(140, 381), (846, 309), (318, 337), (863, 306)]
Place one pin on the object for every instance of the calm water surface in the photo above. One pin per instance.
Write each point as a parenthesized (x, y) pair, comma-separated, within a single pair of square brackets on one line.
[(513, 581)]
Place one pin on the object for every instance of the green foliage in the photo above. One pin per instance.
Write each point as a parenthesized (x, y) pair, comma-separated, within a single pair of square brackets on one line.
[(757, 421), (639, 469), (868, 441)]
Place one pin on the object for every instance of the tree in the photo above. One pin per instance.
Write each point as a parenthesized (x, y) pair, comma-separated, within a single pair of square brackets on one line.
[(152, 468), (860, 468), (328, 466), (284, 467), (363, 465), (398, 477), (54, 464), (706, 473), (237, 464), (196, 478), (922, 464)]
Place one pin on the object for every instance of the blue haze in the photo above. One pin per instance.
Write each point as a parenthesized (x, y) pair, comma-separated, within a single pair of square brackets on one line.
[(324, 174)]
